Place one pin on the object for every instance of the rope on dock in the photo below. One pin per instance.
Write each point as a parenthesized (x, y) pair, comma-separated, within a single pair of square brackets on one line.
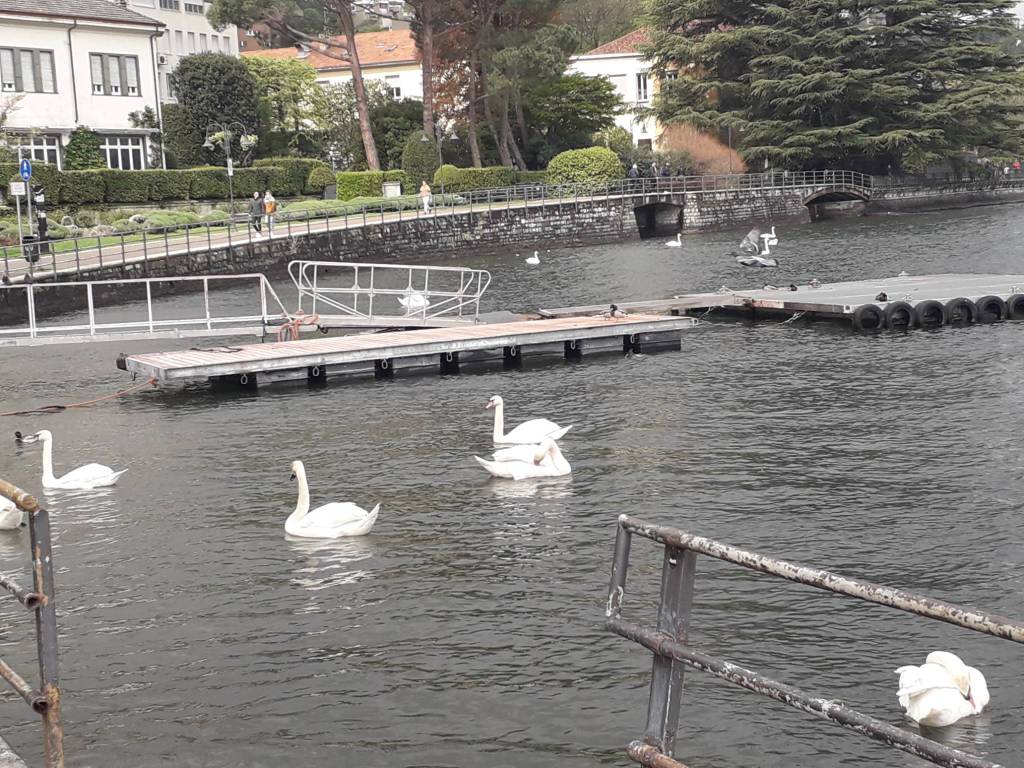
[(289, 331), (83, 404)]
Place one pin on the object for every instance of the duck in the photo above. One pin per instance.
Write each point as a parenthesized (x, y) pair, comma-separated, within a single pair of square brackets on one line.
[(413, 301), (525, 461), (941, 691), (533, 260), (84, 478), (614, 312), (677, 243), (529, 432), (330, 521), (20, 439), (12, 517), (815, 283)]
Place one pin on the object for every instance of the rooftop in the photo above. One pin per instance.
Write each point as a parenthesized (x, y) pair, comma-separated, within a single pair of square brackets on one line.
[(91, 10), (631, 43), (393, 46)]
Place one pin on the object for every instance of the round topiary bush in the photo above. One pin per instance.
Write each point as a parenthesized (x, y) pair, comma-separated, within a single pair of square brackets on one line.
[(319, 177), (594, 165), (419, 160)]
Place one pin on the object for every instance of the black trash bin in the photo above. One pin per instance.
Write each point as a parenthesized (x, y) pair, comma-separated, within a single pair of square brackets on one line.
[(30, 248)]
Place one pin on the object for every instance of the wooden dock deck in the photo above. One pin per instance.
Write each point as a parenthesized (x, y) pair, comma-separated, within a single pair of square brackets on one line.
[(382, 353)]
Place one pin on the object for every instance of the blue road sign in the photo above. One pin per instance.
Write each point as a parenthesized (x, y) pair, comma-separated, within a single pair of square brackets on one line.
[(26, 170)]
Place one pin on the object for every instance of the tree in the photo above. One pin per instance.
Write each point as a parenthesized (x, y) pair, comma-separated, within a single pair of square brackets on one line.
[(289, 97), (419, 158), (147, 118), (339, 124), (310, 23), (566, 111), (598, 21), (393, 121), (83, 150), (869, 85), (8, 105), (212, 88)]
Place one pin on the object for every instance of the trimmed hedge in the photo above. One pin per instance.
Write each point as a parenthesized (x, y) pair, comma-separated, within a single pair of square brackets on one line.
[(122, 186), (298, 175), (304, 209), (167, 185), (467, 179), (531, 177), (594, 165), (78, 188), (359, 184)]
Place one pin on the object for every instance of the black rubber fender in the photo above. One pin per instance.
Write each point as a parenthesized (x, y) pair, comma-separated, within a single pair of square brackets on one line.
[(930, 313), (991, 309), (868, 317), (961, 311), (1015, 306), (900, 316)]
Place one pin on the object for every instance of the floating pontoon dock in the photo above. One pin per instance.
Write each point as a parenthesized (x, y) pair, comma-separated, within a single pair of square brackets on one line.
[(926, 300), (382, 353)]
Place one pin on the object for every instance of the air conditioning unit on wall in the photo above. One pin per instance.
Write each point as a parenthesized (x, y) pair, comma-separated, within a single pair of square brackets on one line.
[(161, 59)]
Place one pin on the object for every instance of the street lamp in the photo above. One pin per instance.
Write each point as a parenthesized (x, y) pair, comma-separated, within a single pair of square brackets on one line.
[(224, 134)]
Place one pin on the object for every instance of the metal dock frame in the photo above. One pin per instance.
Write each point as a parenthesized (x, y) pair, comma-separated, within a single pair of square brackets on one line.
[(41, 601), (669, 642)]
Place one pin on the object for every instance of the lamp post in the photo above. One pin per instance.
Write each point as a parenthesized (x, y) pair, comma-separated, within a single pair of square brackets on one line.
[(438, 133), (223, 134)]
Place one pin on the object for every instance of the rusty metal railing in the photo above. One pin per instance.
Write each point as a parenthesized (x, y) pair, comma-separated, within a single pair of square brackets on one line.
[(40, 600), (669, 642)]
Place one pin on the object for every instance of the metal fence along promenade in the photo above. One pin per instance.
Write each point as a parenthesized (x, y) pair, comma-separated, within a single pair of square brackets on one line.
[(72, 257)]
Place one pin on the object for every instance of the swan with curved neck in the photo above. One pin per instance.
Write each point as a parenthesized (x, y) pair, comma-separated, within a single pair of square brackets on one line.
[(941, 691), (11, 516), (677, 243), (83, 478), (330, 521), (524, 461), (533, 260), (527, 433)]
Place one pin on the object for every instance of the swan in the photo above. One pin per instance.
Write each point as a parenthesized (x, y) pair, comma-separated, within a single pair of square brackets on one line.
[(330, 521), (756, 260), (414, 301), (769, 238), (523, 461), (677, 243), (534, 260), (941, 691), (529, 432), (82, 479), (12, 517)]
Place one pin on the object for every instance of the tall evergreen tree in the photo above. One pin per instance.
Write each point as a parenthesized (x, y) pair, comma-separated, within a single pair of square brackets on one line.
[(892, 85)]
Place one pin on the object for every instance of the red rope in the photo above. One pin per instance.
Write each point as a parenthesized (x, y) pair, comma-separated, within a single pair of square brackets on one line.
[(84, 404), (290, 330)]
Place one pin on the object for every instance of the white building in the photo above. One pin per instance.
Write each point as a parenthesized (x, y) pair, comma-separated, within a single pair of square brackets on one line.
[(67, 63), (389, 57), (622, 64), (187, 31)]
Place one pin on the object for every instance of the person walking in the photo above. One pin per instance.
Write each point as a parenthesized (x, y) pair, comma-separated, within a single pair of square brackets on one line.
[(270, 209), (256, 212), (425, 196)]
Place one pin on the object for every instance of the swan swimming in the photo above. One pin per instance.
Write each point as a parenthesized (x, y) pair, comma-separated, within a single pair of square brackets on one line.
[(677, 243), (84, 478), (529, 432), (941, 691), (534, 260), (524, 461), (331, 521), (414, 301), (11, 516), (757, 249)]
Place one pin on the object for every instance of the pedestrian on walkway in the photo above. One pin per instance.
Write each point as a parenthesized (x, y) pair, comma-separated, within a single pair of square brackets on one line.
[(425, 196), (256, 212), (269, 208)]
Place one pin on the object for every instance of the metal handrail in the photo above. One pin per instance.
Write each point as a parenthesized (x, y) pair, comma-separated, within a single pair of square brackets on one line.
[(358, 289), (270, 305), (668, 641), (160, 242), (46, 700)]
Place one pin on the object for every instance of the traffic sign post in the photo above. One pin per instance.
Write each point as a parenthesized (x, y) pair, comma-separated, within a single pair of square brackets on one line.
[(17, 192), (25, 168)]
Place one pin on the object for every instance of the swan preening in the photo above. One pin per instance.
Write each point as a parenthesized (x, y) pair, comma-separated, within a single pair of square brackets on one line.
[(11, 516), (757, 249), (677, 243), (942, 690), (533, 260), (527, 433), (523, 461), (331, 521), (82, 479)]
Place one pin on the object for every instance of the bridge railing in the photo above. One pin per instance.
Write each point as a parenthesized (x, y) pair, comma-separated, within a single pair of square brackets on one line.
[(669, 641), (75, 256)]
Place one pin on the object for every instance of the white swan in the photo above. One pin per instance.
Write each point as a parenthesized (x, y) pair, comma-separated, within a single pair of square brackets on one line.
[(769, 238), (82, 479), (534, 260), (529, 432), (524, 461), (330, 521), (677, 243), (756, 260), (11, 516), (941, 691), (414, 301)]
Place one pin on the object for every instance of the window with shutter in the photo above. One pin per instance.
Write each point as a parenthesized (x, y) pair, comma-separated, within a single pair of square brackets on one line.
[(96, 67), (47, 77), (114, 75), (28, 72), (7, 80), (131, 69)]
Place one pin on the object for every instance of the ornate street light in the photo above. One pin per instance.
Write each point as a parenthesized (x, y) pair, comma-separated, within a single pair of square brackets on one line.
[(224, 134)]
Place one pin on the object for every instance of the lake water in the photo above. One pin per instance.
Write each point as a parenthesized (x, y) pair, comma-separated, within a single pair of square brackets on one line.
[(466, 629)]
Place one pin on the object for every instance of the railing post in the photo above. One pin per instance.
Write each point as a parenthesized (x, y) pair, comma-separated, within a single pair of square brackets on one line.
[(677, 579), (46, 636), (92, 309), (31, 299)]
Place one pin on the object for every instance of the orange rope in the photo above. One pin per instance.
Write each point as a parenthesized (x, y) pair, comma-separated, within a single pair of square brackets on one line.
[(290, 330), (84, 404)]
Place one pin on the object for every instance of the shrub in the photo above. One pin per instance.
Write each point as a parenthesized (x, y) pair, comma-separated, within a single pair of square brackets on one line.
[(419, 159), (79, 188), (167, 185), (215, 217), (169, 219), (453, 179), (83, 150), (296, 175), (359, 184), (594, 165), (125, 226), (531, 177), (319, 179), (208, 183), (126, 186), (56, 232)]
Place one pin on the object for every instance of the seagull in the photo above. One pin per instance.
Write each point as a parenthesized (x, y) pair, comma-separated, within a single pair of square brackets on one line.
[(533, 260)]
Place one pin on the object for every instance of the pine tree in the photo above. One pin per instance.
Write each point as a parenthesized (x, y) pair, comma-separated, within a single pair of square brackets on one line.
[(877, 86)]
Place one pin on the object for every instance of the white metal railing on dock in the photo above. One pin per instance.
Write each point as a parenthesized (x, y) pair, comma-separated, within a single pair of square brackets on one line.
[(388, 294), (137, 305)]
